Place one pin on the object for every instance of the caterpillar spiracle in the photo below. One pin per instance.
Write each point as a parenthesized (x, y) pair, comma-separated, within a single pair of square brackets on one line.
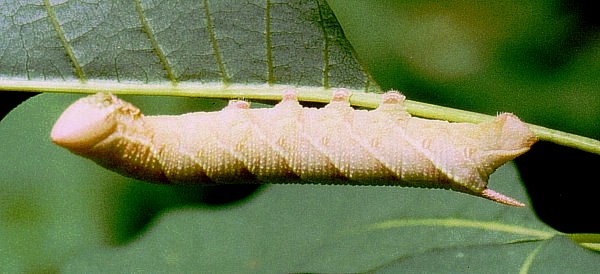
[(289, 143)]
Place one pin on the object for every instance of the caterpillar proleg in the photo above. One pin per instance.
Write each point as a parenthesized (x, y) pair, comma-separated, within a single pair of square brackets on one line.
[(289, 143)]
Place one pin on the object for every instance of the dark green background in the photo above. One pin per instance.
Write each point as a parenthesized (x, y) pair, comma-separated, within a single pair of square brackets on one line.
[(541, 59)]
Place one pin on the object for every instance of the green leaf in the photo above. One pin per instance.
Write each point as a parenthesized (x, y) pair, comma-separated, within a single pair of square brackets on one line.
[(295, 43), (75, 211), (535, 257)]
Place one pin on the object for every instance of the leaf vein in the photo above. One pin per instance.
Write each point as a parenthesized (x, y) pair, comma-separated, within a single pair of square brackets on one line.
[(529, 260), (63, 40), (462, 223), (215, 44), (269, 45), (325, 48), (155, 46)]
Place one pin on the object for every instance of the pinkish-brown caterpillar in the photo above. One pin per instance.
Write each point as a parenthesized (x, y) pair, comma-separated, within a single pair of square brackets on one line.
[(288, 143)]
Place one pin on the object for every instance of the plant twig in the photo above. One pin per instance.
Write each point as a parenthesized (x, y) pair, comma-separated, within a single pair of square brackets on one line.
[(274, 92)]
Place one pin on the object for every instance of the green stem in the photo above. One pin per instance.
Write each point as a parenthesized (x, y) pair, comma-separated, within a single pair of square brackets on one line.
[(588, 240), (273, 92)]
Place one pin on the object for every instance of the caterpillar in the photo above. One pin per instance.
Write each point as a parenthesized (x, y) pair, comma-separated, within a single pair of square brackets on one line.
[(289, 143)]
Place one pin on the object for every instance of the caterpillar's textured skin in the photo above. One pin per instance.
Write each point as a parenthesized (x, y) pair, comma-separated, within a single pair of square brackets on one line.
[(289, 143)]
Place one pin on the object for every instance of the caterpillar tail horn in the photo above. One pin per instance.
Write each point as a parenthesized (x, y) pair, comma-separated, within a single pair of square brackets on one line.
[(500, 198)]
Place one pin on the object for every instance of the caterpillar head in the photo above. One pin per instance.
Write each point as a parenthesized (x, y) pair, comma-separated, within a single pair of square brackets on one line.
[(88, 121)]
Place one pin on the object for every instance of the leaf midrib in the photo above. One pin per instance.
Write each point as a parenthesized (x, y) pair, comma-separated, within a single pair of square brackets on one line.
[(463, 223)]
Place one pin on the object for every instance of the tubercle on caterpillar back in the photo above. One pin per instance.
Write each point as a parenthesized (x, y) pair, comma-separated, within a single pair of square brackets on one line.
[(289, 143)]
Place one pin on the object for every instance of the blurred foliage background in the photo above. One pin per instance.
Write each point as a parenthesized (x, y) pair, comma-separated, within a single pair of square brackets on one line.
[(540, 59)]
